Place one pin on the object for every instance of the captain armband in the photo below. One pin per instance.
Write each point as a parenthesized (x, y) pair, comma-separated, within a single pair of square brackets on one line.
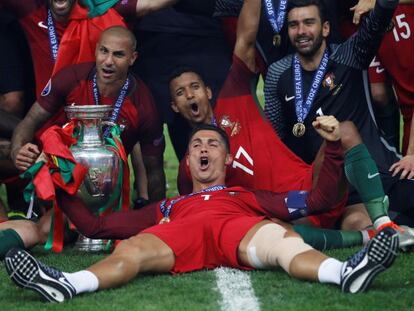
[(296, 204)]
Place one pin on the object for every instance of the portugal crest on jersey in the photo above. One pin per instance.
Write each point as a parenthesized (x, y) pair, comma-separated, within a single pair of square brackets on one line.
[(234, 127), (329, 81)]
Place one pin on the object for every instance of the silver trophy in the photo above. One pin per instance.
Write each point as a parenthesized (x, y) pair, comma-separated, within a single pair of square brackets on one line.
[(98, 187)]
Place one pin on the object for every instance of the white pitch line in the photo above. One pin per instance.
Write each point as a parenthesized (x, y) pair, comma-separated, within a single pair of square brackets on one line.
[(236, 290)]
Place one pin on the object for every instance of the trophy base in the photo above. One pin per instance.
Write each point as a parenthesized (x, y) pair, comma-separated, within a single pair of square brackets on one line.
[(85, 244)]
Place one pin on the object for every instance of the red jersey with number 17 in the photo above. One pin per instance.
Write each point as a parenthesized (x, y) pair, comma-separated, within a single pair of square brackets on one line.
[(261, 160)]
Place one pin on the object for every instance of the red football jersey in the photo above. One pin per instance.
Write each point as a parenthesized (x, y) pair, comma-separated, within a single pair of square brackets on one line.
[(394, 57), (261, 160), (138, 115), (32, 15)]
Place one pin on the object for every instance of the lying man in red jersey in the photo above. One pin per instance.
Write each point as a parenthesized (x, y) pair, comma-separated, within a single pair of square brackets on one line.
[(285, 206), (211, 227)]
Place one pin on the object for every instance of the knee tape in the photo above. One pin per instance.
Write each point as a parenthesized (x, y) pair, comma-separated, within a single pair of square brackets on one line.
[(269, 248)]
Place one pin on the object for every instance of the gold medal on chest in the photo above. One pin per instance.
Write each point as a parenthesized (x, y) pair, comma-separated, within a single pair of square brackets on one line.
[(165, 220), (299, 129), (277, 40)]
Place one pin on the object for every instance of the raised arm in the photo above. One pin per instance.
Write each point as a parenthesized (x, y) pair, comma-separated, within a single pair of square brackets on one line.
[(364, 6), (359, 50), (247, 27), (23, 152)]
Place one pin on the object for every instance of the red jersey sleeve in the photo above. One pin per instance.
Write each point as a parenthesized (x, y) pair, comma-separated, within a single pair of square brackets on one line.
[(273, 204), (239, 81), (54, 95)]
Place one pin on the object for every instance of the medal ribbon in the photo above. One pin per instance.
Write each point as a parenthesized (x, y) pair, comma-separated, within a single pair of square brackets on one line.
[(214, 120), (166, 211), (303, 108), (276, 20), (118, 103), (53, 40)]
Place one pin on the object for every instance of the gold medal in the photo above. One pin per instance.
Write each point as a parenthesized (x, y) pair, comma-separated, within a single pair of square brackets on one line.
[(165, 220), (299, 129), (277, 40)]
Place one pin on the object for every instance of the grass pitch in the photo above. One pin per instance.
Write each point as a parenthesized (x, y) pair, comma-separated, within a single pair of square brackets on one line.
[(275, 290)]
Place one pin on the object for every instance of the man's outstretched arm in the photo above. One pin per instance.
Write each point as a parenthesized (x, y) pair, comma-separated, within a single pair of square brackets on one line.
[(364, 6), (247, 27), (117, 225)]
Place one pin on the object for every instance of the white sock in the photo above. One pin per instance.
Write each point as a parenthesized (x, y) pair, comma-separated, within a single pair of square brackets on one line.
[(83, 281), (365, 237), (330, 271), (381, 221)]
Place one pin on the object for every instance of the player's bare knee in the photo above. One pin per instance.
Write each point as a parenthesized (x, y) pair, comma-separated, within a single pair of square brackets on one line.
[(142, 253), (349, 135), (272, 246), (139, 247), (126, 247)]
